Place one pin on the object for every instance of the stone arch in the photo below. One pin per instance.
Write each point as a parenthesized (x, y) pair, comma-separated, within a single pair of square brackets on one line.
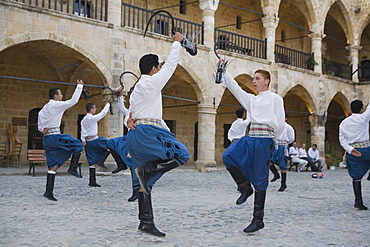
[(11, 41), (337, 110), (299, 105), (185, 71)]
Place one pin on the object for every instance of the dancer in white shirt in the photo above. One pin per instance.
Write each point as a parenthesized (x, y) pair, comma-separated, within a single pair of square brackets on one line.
[(281, 154), (248, 157), (58, 147), (153, 149), (354, 138)]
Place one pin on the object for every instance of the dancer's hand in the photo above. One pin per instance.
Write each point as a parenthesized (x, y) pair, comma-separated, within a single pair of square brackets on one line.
[(80, 82), (131, 122), (356, 153), (120, 91), (44, 131), (178, 37)]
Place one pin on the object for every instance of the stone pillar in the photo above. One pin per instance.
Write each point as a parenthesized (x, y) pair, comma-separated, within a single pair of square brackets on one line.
[(316, 46), (353, 57), (113, 123), (270, 24), (208, 8), (206, 138), (114, 12), (318, 133)]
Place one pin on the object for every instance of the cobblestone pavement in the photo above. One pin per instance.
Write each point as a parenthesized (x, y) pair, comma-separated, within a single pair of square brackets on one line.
[(193, 208)]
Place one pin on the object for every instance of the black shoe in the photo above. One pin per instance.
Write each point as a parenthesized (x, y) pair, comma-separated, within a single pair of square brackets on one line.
[(118, 169), (276, 177), (50, 197), (254, 226), (74, 173), (150, 229), (360, 205), (94, 184), (244, 196), (282, 187), (133, 196)]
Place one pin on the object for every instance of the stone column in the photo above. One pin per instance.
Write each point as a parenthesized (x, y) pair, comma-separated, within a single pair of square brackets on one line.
[(316, 46), (270, 24), (114, 12), (353, 57), (113, 122), (318, 133), (206, 138), (208, 8)]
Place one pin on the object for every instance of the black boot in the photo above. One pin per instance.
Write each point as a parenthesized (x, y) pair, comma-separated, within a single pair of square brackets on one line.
[(133, 196), (103, 158), (146, 215), (368, 177), (258, 212), (275, 172), (151, 169), (50, 187), (93, 177), (74, 164), (120, 164), (283, 182), (358, 195), (244, 186)]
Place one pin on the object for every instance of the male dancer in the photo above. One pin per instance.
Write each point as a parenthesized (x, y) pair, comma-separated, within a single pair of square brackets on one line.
[(280, 155), (354, 138), (119, 145), (58, 147), (237, 131), (95, 146), (248, 158), (154, 150)]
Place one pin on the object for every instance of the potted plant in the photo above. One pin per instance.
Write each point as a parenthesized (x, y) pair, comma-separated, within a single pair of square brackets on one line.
[(328, 160)]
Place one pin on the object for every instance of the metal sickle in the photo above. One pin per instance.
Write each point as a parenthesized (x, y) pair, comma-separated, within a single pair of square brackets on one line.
[(186, 43), (127, 72), (223, 64)]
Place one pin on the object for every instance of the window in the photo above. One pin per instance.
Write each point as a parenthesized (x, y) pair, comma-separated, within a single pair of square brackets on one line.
[(182, 7), (238, 22), (81, 8)]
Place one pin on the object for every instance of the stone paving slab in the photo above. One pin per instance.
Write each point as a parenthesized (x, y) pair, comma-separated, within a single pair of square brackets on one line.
[(193, 208)]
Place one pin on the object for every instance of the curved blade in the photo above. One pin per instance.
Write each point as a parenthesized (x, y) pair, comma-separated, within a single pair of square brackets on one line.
[(157, 12)]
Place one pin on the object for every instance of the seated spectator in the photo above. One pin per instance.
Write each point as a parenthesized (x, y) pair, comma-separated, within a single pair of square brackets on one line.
[(303, 155), (313, 153), (294, 154)]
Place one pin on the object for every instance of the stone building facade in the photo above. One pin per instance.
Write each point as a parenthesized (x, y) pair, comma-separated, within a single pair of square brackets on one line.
[(317, 52)]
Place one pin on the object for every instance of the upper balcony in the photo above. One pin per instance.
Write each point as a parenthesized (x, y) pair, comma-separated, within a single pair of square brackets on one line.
[(137, 18)]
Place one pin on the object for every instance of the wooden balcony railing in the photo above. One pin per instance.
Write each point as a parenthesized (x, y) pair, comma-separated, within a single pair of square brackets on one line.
[(243, 44), (94, 9), (136, 17)]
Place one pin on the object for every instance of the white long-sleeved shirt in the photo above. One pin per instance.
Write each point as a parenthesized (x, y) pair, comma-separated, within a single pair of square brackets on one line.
[(238, 128), (146, 99), (294, 152), (287, 135), (89, 124), (126, 113), (51, 114), (302, 153), (354, 128), (265, 108), (313, 154)]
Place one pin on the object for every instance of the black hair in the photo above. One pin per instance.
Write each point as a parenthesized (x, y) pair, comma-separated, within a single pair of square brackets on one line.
[(356, 106), (314, 145), (147, 62), (89, 106), (53, 91), (239, 113)]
